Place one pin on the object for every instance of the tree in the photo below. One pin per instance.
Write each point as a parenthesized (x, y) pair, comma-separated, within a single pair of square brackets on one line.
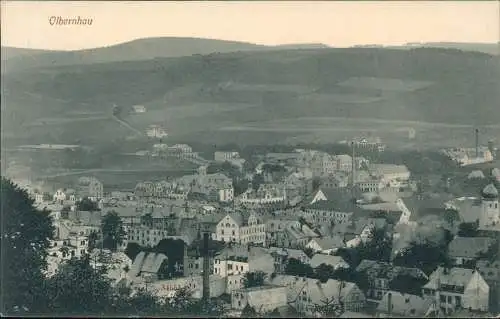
[(93, 236), (257, 180), (248, 312), (26, 232), (309, 252), (254, 279), (141, 303), (324, 272), (407, 284), (426, 256), (295, 267), (86, 204), (468, 229), (112, 230), (79, 289), (329, 307), (316, 183)]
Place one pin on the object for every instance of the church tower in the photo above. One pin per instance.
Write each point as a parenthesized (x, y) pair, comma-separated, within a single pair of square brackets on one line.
[(490, 214)]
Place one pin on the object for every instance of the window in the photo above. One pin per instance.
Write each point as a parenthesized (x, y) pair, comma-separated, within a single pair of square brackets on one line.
[(458, 301), (234, 233), (442, 298), (229, 266), (449, 299)]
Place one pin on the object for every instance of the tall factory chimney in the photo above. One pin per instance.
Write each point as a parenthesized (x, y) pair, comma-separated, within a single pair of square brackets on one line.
[(206, 267), (353, 168), (477, 143)]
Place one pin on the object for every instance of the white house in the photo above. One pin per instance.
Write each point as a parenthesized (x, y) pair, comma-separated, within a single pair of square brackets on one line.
[(263, 299), (139, 109), (59, 196), (241, 228), (457, 288), (326, 245)]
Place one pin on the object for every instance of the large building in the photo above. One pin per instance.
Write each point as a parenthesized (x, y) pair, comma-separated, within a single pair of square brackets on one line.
[(241, 228), (90, 187), (457, 288)]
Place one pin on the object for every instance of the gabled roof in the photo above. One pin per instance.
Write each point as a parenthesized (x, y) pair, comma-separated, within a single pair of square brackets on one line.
[(326, 243), (405, 305), (329, 205), (453, 277), (317, 291), (334, 261), (146, 262), (352, 314), (469, 247)]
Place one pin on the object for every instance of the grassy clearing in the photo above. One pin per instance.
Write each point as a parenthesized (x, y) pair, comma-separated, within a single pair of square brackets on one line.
[(385, 84)]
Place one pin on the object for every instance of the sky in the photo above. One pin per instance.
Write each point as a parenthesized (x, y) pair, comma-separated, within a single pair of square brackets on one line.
[(339, 24)]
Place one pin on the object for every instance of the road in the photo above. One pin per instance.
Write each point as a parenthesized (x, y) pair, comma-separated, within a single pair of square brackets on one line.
[(125, 124)]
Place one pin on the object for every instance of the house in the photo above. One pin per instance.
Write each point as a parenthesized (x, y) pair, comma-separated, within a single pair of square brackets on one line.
[(283, 255), (225, 156), (263, 299), (463, 250), (156, 131), (380, 276), (327, 211), (266, 194), (90, 187), (395, 175), (138, 109), (485, 210), (238, 260), (490, 271), (242, 228), (168, 288), (342, 162), (358, 231), (181, 149), (336, 262), (297, 185), (59, 196), (326, 245), (396, 304), (322, 164), (305, 294), (145, 236), (369, 182), (334, 181), (335, 195), (457, 288), (288, 233), (218, 187), (469, 156), (149, 267)]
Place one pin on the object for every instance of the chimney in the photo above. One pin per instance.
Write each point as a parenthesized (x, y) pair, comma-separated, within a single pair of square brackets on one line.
[(206, 268), (353, 169), (389, 304), (477, 143)]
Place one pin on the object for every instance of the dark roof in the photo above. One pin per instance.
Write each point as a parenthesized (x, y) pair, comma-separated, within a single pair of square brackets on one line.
[(490, 192)]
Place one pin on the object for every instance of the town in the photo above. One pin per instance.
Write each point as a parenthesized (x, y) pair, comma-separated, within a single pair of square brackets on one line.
[(301, 233)]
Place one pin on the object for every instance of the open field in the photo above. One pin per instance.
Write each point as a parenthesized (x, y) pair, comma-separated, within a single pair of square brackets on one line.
[(328, 129), (324, 98), (385, 84)]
